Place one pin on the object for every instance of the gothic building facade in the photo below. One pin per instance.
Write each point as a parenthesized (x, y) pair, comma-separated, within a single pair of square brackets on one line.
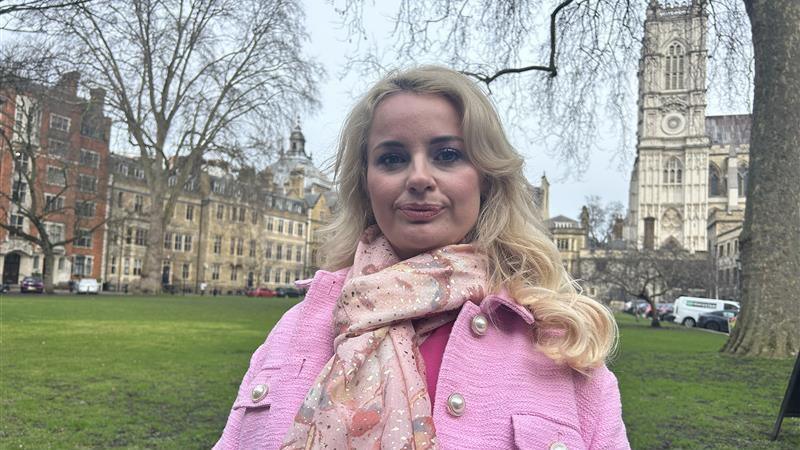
[(689, 167)]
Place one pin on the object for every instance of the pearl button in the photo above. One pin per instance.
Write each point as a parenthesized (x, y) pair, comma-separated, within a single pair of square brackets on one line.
[(456, 404), (259, 392), (558, 446), (479, 324)]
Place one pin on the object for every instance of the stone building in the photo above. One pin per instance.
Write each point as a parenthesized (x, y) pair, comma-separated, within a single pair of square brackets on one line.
[(68, 136), (230, 231), (688, 165)]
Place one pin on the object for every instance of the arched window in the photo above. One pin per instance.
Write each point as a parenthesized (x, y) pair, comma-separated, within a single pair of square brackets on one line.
[(741, 179), (673, 69), (673, 171), (716, 186)]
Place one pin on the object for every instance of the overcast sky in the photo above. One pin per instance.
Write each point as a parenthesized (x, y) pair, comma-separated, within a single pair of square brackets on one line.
[(328, 45)]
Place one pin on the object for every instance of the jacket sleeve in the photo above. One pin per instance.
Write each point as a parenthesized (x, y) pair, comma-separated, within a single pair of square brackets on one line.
[(605, 413), (230, 438)]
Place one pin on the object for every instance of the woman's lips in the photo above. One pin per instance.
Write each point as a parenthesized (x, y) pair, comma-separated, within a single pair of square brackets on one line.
[(420, 213)]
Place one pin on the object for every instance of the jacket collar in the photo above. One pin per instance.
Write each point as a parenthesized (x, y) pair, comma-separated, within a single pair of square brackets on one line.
[(502, 298)]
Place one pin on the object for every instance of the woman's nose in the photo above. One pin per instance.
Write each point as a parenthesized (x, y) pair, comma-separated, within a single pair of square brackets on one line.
[(420, 177)]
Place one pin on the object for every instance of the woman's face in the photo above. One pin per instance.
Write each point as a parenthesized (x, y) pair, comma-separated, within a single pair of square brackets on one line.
[(424, 192)]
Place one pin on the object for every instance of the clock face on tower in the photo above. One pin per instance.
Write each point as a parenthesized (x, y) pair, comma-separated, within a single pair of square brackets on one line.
[(673, 123)]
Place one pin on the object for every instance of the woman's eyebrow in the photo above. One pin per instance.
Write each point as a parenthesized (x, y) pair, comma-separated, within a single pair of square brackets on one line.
[(443, 139), (388, 144)]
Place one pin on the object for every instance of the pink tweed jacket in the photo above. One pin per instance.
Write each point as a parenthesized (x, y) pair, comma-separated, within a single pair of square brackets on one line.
[(514, 396)]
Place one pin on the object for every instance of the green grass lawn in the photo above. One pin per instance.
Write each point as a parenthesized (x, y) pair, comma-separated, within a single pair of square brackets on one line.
[(134, 372)]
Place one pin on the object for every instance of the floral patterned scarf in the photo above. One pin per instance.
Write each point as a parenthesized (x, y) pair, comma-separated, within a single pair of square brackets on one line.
[(372, 393)]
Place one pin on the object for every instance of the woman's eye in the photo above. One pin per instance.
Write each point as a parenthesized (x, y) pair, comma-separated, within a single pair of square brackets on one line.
[(448, 155), (390, 159)]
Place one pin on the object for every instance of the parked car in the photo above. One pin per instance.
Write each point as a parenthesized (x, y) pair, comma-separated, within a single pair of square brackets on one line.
[(31, 284), (637, 307), (688, 309), (87, 286), (261, 292), (287, 292), (718, 320), (664, 311)]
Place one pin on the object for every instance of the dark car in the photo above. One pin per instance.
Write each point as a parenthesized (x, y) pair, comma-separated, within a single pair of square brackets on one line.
[(717, 320), (261, 292), (31, 284), (287, 292)]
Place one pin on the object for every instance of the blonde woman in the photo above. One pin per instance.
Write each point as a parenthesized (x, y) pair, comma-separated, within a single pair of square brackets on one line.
[(446, 320)]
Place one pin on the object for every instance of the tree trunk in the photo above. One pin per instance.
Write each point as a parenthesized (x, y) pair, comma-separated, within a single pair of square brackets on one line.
[(153, 260), (770, 240), (654, 322), (47, 269)]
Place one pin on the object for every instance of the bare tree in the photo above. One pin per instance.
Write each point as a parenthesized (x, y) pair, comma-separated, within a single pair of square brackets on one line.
[(23, 6), (189, 80), (650, 275), (600, 219), (50, 202)]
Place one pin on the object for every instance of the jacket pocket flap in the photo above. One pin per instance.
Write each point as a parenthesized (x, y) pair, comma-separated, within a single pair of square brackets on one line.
[(540, 432), (257, 392)]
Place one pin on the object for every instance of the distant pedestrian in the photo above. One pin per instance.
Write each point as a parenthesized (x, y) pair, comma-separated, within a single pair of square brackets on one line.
[(203, 288)]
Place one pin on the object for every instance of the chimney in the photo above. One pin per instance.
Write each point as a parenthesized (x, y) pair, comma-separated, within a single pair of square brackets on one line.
[(616, 230), (97, 97), (69, 82)]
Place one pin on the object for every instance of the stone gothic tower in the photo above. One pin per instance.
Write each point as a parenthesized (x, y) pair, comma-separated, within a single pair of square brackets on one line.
[(668, 200)]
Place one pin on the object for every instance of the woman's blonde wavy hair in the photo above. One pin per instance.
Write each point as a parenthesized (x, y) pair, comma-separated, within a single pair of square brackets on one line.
[(569, 327)]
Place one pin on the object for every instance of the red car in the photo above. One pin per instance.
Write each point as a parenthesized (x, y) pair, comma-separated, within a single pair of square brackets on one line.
[(261, 292)]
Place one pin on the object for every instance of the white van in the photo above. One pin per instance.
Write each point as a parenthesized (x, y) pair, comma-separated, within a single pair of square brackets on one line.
[(688, 309)]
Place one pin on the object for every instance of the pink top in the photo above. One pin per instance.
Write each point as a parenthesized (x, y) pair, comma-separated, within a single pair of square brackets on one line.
[(432, 351)]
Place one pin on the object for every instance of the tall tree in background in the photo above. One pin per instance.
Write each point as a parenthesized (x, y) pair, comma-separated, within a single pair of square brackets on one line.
[(585, 71), (601, 217), (188, 81), (770, 240)]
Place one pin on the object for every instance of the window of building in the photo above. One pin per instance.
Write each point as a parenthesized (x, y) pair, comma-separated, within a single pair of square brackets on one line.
[(217, 244), (298, 255), (137, 266), (267, 274), (297, 274), (87, 183), (233, 246), (187, 243), (674, 67), (56, 232), (242, 214), (190, 212), (113, 268), (59, 122), (299, 229), (185, 271), (84, 209), (53, 203), (287, 277), (254, 218), (61, 263), (232, 213), (269, 224), (673, 171), (288, 252), (89, 158), (167, 240), (122, 168), (82, 265), (141, 236), (172, 180), (290, 226), (84, 238), (562, 244), (36, 262), (277, 275), (56, 148), (252, 248), (138, 173), (56, 176), (279, 251), (220, 212), (129, 235), (728, 249), (234, 273), (126, 266), (178, 242), (715, 184), (280, 225), (120, 199), (19, 190), (240, 246), (138, 203), (268, 250), (215, 272), (649, 233), (741, 180)]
